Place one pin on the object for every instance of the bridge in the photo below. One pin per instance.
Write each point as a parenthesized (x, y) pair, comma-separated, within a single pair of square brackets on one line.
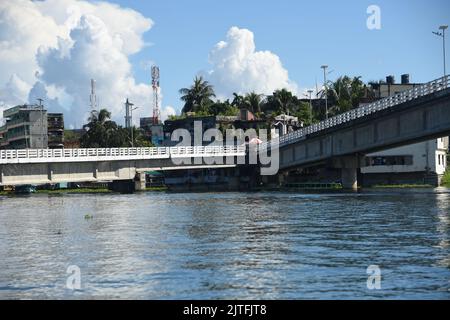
[(419, 114), (42, 166), (415, 115)]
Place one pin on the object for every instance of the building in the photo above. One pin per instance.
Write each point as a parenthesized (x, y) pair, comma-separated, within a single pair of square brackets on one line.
[(419, 163), (31, 127), (286, 124), (423, 163), (153, 132), (55, 123), (25, 127), (244, 120)]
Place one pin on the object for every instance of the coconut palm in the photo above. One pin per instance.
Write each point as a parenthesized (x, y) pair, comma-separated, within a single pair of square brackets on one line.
[(253, 101), (198, 96)]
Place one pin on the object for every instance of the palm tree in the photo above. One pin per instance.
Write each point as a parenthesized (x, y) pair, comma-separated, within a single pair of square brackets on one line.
[(253, 101), (345, 93), (198, 96), (284, 100), (238, 100)]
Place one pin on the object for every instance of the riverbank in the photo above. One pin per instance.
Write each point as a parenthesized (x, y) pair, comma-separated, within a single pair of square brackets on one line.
[(446, 179), (82, 190), (400, 186)]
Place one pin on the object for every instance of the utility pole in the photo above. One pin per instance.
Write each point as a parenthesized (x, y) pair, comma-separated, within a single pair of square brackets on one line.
[(310, 105), (442, 34), (132, 126), (324, 67), (42, 121)]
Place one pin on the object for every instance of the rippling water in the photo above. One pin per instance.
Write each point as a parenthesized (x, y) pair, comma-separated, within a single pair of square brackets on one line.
[(227, 246)]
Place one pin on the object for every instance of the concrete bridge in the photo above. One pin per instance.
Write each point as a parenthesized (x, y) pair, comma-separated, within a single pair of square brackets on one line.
[(42, 166), (412, 116)]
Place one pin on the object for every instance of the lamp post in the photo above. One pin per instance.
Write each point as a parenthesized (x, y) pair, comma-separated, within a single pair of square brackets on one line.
[(442, 34), (310, 105), (324, 67), (310, 91), (132, 126), (42, 122)]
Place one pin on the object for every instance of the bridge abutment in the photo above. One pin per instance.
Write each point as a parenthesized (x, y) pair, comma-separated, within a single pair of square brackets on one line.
[(139, 181)]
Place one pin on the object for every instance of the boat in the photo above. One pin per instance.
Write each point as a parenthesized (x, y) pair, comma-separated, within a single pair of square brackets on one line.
[(25, 189)]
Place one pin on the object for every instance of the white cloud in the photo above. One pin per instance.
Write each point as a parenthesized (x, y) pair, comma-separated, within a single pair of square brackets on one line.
[(14, 92), (69, 42), (238, 67), (166, 112)]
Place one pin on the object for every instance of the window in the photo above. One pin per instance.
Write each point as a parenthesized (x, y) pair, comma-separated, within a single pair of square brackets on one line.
[(389, 161)]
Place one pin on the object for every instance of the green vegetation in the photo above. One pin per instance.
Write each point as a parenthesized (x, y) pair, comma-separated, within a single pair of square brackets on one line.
[(81, 190), (402, 186), (102, 132), (156, 189), (78, 190), (446, 179), (343, 94)]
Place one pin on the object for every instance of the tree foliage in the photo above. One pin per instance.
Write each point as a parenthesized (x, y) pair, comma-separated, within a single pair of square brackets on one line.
[(102, 132)]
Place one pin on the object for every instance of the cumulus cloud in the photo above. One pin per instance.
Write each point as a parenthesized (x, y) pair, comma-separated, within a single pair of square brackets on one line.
[(167, 111), (238, 67), (51, 49)]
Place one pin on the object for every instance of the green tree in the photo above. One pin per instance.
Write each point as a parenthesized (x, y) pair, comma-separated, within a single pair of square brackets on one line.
[(198, 97), (344, 94), (281, 102), (102, 132), (252, 101), (224, 108)]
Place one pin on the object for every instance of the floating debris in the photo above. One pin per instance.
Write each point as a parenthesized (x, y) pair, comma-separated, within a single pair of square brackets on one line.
[(88, 216)]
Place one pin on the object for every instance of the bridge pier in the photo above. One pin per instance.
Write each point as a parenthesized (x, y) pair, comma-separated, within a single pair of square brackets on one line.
[(349, 178), (349, 171), (139, 181)]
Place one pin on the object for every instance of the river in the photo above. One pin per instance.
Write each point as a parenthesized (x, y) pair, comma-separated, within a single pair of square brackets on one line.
[(268, 245)]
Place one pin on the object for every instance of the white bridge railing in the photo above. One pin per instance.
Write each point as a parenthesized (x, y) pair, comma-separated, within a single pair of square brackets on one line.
[(408, 95), (111, 154)]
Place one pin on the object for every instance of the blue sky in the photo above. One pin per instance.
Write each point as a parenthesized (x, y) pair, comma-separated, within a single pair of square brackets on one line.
[(304, 34), (51, 49)]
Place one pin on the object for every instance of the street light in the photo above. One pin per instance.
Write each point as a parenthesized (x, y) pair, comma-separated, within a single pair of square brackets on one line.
[(442, 34), (42, 121), (324, 67), (310, 91), (131, 125)]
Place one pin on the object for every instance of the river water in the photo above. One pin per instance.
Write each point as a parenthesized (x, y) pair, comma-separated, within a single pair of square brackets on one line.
[(226, 245)]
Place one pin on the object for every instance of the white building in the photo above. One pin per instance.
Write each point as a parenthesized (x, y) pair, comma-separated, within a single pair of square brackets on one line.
[(419, 163)]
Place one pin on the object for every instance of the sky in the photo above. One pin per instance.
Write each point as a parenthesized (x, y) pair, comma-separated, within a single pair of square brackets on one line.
[(51, 49)]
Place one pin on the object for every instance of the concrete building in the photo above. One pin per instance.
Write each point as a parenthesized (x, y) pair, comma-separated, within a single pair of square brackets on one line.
[(423, 163), (153, 132), (55, 123), (31, 127), (25, 127)]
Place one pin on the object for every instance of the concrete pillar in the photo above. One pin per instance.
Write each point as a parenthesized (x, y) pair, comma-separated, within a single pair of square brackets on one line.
[(139, 181), (349, 178), (49, 172), (1, 174), (349, 171)]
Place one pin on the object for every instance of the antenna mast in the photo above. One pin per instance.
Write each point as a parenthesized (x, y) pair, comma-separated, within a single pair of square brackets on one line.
[(155, 86)]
